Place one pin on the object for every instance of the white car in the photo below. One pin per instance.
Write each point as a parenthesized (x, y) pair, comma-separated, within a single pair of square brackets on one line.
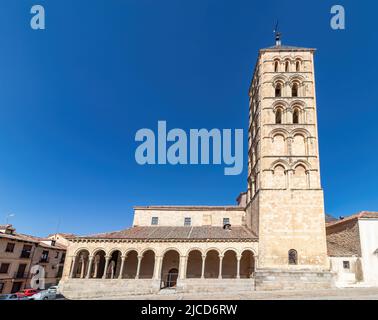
[(44, 295)]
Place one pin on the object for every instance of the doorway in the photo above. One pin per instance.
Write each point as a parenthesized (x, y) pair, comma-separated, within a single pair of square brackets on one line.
[(172, 278)]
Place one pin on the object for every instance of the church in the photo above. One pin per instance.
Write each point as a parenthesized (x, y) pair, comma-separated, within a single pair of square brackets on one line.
[(273, 239)]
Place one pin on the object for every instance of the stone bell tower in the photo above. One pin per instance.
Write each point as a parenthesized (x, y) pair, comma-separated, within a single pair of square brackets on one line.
[(285, 205)]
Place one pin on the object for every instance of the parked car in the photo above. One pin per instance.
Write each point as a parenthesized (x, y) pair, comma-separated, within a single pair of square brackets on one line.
[(53, 289), (44, 295), (13, 296), (27, 292)]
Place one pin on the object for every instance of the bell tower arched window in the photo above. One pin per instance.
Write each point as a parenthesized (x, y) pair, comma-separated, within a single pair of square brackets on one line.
[(298, 66), (278, 116), (294, 90), (296, 116), (276, 66), (293, 257), (278, 91), (287, 66)]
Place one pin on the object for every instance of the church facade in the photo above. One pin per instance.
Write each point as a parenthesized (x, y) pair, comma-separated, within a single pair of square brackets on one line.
[(275, 238)]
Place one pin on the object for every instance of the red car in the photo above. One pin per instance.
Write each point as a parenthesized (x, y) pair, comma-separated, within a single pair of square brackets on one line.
[(26, 293)]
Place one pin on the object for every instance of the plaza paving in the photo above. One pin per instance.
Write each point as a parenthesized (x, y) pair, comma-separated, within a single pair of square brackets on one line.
[(333, 294)]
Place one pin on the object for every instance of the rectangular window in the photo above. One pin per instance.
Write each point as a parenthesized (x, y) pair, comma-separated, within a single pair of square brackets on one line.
[(44, 256), (10, 247), (57, 255), (26, 250), (188, 221), (1, 287), (226, 221), (155, 221), (346, 265), (4, 268)]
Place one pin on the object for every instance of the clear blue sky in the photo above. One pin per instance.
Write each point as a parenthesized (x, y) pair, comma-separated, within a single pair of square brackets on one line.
[(73, 96)]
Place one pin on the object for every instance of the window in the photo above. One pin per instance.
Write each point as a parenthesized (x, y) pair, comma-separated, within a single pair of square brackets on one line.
[(278, 116), (346, 265), (278, 90), (188, 221), (155, 221), (226, 221), (26, 250), (296, 116), (44, 256), (287, 66), (1, 287), (298, 66), (57, 255), (293, 257), (10, 247), (294, 90), (276, 66), (4, 267)]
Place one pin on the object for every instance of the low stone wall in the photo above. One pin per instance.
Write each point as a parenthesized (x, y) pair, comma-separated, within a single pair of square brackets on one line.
[(215, 285), (99, 288), (266, 280)]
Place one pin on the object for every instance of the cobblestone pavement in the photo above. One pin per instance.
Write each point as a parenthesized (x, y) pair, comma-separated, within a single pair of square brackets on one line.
[(333, 294)]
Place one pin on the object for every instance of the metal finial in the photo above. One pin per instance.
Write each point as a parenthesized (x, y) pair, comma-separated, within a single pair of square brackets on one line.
[(277, 35)]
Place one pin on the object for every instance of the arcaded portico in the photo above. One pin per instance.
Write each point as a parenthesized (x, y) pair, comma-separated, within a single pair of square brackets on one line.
[(149, 259)]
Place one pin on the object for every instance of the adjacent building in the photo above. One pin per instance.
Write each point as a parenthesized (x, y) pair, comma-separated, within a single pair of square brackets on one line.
[(20, 252)]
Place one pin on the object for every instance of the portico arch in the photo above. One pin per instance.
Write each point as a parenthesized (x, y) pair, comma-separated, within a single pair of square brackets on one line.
[(131, 265), (194, 264), (212, 264), (247, 264), (147, 264), (229, 264), (80, 265), (98, 267), (170, 268)]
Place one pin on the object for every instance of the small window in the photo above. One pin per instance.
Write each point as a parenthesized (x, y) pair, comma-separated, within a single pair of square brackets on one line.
[(155, 221), (1, 287), (10, 247), (294, 90), (4, 267), (188, 221), (26, 251), (226, 221), (276, 66), (296, 116), (278, 116), (287, 66), (57, 255), (278, 92), (346, 265), (298, 66), (293, 257)]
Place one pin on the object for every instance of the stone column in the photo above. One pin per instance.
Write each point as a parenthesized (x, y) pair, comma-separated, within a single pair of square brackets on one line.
[(220, 266), (203, 267), (238, 258), (90, 262), (73, 258), (123, 259), (138, 267), (157, 267), (107, 259), (182, 268)]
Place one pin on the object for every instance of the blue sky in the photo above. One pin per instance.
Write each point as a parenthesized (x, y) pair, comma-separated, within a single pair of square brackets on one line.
[(73, 96)]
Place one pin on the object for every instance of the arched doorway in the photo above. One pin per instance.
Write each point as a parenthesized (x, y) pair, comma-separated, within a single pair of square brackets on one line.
[(147, 265), (170, 269), (229, 265), (212, 264), (194, 264), (247, 264), (131, 265)]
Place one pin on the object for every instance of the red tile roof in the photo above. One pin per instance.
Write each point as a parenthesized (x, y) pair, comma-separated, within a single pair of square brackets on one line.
[(178, 233), (360, 215)]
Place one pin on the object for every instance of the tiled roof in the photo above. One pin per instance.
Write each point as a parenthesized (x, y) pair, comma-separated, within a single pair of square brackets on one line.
[(336, 250), (178, 233), (360, 215), (31, 239), (189, 208)]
